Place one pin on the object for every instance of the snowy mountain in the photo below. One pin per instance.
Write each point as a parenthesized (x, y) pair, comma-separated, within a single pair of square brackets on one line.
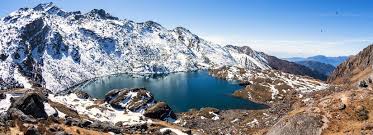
[(56, 49)]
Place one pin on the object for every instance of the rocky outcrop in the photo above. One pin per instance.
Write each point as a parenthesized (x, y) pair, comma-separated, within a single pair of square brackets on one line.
[(160, 111), (134, 100), (355, 69), (31, 104), (139, 100), (269, 86)]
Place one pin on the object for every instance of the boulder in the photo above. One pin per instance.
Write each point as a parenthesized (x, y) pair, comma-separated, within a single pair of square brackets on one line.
[(84, 123), (31, 104), (131, 99), (341, 106), (2, 96), (71, 121), (16, 113), (160, 111), (32, 131)]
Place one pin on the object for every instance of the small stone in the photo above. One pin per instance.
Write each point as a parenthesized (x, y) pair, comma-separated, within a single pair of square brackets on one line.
[(2, 96), (85, 123), (342, 106), (361, 113), (187, 131), (32, 131), (119, 124)]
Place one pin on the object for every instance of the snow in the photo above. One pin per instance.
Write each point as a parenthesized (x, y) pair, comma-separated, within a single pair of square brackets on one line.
[(110, 114), (253, 123), (21, 79), (176, 131), (5, 103), (298, 83), (98, 46), (49, 110), (235, 120), (216, 116)]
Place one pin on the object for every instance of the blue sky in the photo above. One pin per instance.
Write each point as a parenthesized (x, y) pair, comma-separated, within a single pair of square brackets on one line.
[(282, 28)]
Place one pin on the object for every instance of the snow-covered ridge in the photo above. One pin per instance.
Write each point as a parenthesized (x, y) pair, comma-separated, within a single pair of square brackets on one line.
[(59, 49), (278, 84)]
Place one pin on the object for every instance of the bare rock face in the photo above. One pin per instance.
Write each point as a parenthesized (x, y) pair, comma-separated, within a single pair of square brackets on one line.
[(31, 104), (160, 111), (303, 124), (132, 99), (355, 69)]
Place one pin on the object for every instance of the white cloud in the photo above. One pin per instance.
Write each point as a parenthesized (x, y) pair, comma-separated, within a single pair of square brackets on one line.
[(292, 48)]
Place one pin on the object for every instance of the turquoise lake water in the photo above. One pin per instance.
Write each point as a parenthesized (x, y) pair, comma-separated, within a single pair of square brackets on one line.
[(181, 91)]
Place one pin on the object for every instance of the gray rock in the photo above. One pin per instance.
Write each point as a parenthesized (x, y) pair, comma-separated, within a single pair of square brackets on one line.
[(160, 111), (341, 106), (31, 104), (362, 113), (2, 96), (71, 121), (84, 123), (32, 131), (187, 131), (116, 97), (16, 113)]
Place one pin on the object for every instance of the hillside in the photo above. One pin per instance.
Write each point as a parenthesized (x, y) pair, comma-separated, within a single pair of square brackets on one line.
[(357, 68), (325, 69)]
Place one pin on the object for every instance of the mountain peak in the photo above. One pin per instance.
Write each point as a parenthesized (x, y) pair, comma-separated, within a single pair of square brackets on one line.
[(101, 14), (44, 6)]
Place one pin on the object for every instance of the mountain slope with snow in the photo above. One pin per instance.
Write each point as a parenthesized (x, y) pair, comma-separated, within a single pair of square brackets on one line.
[(48, 46)]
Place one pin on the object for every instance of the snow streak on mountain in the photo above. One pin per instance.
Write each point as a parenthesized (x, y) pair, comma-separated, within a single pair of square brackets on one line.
[(48, 46)]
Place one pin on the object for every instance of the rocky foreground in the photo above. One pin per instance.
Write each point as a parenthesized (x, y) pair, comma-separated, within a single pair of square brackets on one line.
[(296, 105), (126, 111)]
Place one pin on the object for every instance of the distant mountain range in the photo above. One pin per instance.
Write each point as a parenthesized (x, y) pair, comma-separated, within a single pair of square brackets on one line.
[(325, 69), (335, 61), (319, 63)]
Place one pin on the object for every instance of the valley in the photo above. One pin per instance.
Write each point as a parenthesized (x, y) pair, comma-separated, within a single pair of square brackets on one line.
[(92, 73)]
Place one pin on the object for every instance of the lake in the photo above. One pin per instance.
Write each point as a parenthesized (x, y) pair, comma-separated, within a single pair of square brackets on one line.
[(181, 91)]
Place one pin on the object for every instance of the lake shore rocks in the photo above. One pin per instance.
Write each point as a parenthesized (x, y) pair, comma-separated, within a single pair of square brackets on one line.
[(160, 111), (39, 112)]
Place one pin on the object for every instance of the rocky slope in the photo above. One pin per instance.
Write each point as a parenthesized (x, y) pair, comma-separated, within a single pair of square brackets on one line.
[(126, 111), (356, 69), (56, 49), (293, 68)]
